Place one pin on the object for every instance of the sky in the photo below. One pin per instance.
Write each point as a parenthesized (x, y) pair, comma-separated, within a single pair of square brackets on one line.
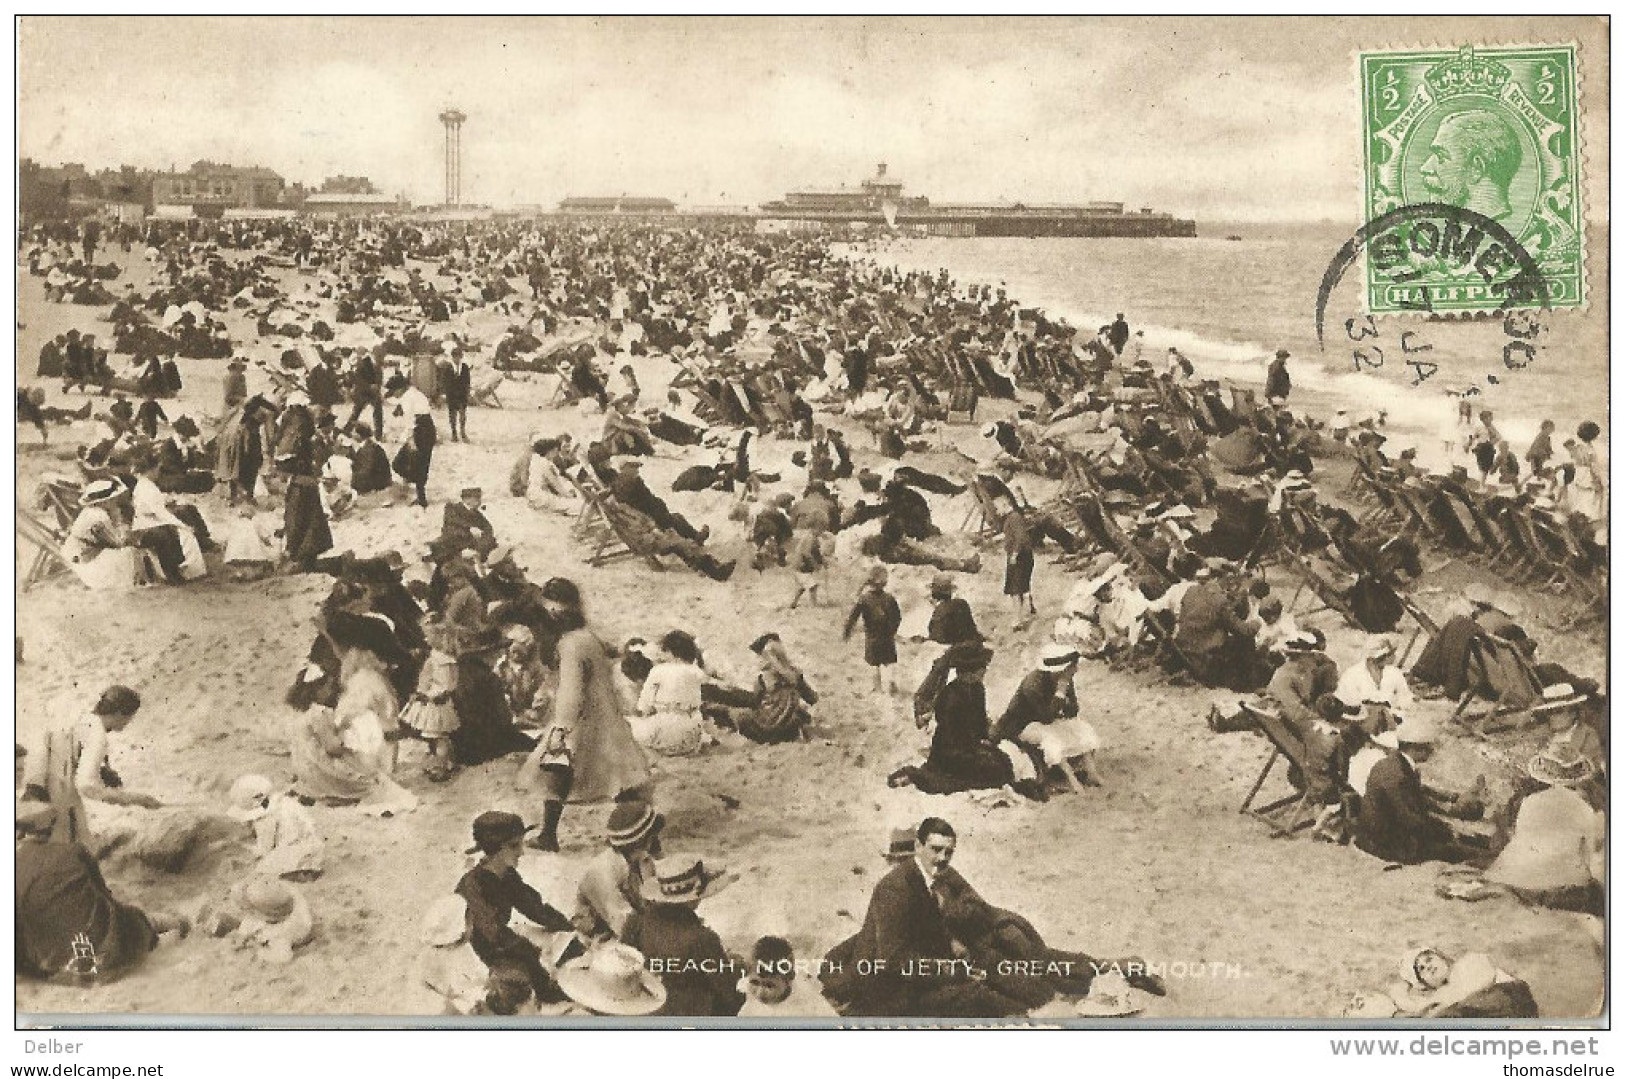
[(1240, 119)]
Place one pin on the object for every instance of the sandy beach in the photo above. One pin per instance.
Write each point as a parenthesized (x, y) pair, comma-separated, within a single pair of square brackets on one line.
[(1158, 864)]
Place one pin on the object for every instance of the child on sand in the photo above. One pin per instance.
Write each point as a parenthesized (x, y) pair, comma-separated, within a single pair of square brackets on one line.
[(251, 546), (806, 559), (285, 836), (431, 711), (881, 617), (772, 987)]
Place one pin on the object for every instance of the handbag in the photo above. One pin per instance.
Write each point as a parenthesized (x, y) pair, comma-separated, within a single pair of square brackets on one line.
[(555, 755)]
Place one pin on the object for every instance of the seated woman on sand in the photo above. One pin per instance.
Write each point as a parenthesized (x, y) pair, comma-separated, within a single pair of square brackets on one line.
[(668, 718), (1434, 986), (98, 547)]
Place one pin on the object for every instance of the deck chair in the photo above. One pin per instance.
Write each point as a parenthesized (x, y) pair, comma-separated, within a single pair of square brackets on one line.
[(1290, 813), (48, 558), (1484, 651), (1324, 590), (599, 526), (962, 402), (984, 514)]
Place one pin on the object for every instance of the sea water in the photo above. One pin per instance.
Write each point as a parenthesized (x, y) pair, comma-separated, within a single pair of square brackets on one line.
[(1229, 304)]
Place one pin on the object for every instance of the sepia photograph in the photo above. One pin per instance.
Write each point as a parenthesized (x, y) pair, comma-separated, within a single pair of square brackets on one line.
[(819, 521)]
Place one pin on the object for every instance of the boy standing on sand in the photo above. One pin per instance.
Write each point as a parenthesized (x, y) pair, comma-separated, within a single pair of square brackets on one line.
[(881, 617)]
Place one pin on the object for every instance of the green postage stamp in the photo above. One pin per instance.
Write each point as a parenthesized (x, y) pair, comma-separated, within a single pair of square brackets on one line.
[(1487, 137)]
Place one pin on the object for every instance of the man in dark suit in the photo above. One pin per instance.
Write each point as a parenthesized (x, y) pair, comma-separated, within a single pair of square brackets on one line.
[(465, 526), (903, 957), (630, 490), (1214, 636), (322, 386)]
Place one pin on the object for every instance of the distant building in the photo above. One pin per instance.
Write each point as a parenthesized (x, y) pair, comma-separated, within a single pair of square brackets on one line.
[(351, 204), (621, 204), (210, 189), (347, 185), (874, 196)]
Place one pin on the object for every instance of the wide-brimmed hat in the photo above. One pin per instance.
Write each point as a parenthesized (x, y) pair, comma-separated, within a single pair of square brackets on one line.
[(1378, 647), (901, 844), (1282, 354), (683, 879), (1056, 656), (1417, 730), (249, 798), (446, 922), (35, 818), (1110, 996), (495, 829), (101, 491), (1478, 595), (269, 900), (1300, 643), (612, 979), (969, 656), (631, 822), (1560, 695), (1557, 767)]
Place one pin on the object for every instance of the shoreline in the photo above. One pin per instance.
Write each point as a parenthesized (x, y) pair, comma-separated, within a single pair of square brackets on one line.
[(1318, 392)]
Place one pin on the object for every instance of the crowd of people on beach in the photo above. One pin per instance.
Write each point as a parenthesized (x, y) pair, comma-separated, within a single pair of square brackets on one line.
[(1184, 519)]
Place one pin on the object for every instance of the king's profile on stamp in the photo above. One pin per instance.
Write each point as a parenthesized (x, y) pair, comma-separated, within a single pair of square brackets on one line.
[(1489, 131)]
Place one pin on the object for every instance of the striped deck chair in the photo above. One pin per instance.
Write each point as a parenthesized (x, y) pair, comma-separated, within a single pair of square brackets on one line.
[(1488, 654), (1309, 578), (48, 558), (1292, 812)]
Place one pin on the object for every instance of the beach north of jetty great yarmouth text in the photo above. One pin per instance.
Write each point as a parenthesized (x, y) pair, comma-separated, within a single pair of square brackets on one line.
[(851, 607)]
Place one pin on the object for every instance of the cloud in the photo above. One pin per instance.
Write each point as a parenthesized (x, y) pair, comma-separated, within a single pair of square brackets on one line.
[(1239, 118)]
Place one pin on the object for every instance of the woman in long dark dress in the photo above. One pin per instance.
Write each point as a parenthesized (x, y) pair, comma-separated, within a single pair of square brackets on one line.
[(413, 459), (485, 728), (305, 533), (962, 755)]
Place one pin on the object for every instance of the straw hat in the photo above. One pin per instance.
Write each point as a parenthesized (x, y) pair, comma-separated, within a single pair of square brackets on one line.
[(269, 900), (1478, 595), (630, 823), (1417, 731), (683, 879), (612, 979), (249, 799), (1387, 739), (446, 922), (1056, 656), (1379, 647), (1110, 996), (1560, 695), (101, 491), (1557, 766), (35, 818)]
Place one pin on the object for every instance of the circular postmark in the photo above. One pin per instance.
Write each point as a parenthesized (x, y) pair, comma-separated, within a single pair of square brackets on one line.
[(1437, 255)]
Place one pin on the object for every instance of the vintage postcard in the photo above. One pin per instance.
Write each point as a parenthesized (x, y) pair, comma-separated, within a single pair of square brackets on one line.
[(812, 521)]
